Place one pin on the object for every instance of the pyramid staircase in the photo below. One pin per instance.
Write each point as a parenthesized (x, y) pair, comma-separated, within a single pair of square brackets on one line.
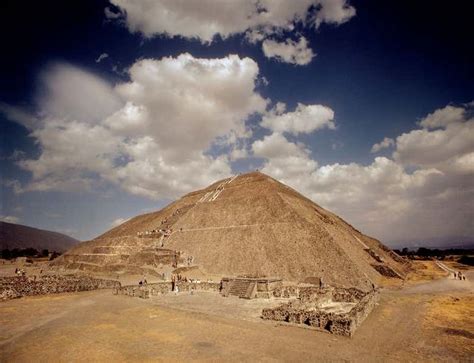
[(242, 288), (177, 214)]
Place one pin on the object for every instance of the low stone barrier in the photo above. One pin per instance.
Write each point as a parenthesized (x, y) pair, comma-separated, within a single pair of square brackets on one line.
[(18, 286), (165, 287)]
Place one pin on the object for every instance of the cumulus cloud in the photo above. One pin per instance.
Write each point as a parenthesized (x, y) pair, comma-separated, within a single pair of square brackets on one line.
[(384, 144), (72, 93), (333, 12), (385, 198), (286, 160), (305, 119), (443, 117), (238, 153), (445, 141), (218, 93), (257, 19), (288, 51), (138, 134), (205, 19)]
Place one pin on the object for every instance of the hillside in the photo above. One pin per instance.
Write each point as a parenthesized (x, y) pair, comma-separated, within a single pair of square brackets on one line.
[(249, 224), (19, 236)]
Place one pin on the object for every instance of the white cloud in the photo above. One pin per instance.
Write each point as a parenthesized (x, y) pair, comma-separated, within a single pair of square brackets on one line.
[(288, 51), (149, 135), (305, 119), (443, 117), (18, 115), (238, 153), (384, 198), (205, 19), (275, 146), (72, 93), (218, 95), (101, 57), (445, 142), (285, 160), (384, 144), (334, 12), (254, 36), (257, 19), (73, 154), (10, 219)]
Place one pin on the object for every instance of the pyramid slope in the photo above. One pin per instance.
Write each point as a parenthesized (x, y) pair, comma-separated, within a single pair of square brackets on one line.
[(254, 225)]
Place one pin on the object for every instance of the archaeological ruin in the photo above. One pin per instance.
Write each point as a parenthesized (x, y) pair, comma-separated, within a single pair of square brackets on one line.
[(336, 310), (249, 287), (259, 239), (246, 224), (18, 286)]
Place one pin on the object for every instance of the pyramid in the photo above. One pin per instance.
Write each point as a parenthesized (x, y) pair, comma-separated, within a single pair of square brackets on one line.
[(249, 224)]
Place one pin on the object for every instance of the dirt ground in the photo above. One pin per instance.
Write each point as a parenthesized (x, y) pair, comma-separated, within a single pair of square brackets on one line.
[(428, 321)]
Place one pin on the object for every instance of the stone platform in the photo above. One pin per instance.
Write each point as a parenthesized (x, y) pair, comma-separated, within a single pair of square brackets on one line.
[(248, 287)]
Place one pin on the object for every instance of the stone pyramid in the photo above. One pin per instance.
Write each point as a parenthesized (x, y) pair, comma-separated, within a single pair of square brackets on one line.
[(248, 224)]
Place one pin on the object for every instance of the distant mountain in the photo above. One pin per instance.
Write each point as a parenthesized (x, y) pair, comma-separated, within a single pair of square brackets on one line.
[(19, 236)]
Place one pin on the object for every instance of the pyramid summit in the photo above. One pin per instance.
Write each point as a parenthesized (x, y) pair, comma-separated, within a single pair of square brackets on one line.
[(248, 224)]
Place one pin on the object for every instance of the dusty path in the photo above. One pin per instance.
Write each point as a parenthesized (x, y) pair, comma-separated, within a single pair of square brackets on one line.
[(429, 321), (97, 326), (446, 284)]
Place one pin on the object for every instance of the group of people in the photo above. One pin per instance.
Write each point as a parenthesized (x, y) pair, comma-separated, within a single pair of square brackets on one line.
[(177, 278), (166, 230), (459, 276)]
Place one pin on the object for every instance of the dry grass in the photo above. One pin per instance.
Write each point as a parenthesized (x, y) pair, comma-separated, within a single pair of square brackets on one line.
[(458, 266), (451, 318), (424, 271)]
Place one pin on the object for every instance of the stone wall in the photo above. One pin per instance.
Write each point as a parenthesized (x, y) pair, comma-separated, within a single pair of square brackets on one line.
[(287, 291), (18, 286), (158, 288), (307, 309)]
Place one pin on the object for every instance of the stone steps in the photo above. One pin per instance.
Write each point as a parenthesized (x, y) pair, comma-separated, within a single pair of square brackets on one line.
[(242, 288)]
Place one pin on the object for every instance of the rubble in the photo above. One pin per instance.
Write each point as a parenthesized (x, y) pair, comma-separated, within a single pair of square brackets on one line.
[(336, 310), (158, 288)]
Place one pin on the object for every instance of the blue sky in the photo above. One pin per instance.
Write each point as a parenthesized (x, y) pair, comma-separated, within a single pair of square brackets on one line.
[(109, 110)]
